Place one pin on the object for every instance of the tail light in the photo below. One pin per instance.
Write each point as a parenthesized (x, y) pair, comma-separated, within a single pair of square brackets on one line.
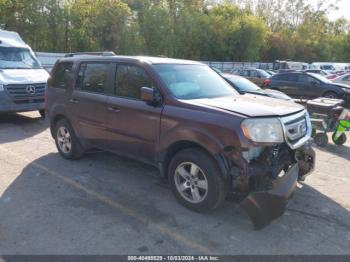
[(267, 82)]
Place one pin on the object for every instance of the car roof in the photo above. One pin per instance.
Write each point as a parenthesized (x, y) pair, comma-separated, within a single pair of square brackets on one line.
[(118, 58)]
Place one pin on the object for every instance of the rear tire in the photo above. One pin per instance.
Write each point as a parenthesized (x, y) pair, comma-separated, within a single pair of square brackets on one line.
[(321, 139), (196, 180), (67, 143), (341, 140)]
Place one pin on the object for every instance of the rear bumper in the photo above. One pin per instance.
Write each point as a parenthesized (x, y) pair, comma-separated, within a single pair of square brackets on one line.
[(265, 206)]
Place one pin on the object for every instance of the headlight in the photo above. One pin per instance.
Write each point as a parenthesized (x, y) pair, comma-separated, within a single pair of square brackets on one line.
[(263, 130), (1, 87)]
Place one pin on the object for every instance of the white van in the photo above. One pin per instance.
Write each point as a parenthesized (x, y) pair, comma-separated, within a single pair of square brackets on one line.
[(328, 67), (22, 78)]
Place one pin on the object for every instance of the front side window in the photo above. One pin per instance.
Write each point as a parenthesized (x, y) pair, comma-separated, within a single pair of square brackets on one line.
[(306, 79), (93, 77), (244, 73), (130, 79), (17, 58), (193, 81), (62, 75)]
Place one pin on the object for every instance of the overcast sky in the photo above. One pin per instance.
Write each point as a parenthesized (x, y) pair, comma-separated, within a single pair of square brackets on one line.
[(344, 10)]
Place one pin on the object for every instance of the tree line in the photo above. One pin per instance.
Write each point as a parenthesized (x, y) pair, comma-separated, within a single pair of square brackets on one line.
[(226, 30)]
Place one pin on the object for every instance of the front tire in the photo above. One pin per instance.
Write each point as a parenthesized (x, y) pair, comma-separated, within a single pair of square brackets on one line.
[(196, 180), (67, 143)]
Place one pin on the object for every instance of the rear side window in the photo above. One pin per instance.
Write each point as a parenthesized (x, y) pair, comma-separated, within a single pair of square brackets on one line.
[(306, 79), (130, 79), (286, 77), (253, 73), (93, 77), (62, 75), (244, 73)]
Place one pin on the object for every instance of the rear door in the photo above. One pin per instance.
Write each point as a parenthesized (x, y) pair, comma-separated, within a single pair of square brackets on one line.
[(308, 86), (286, 83), (88, 103), (133, 125)]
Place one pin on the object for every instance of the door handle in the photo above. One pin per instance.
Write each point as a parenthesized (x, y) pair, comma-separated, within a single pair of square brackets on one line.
[(114, 109), (74, 101)]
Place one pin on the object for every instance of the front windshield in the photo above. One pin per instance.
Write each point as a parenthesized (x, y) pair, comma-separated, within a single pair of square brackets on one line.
[(17, 58), (321, 78), (243, 84), (193, 81)]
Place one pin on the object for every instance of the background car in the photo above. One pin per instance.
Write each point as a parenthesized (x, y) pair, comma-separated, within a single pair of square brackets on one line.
[(317, 71), (307, 85), (257, 76), (344, 79), (271, 73), (244, 86)]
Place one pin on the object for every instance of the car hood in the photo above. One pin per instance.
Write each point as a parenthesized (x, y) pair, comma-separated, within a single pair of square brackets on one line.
[(23, 76), (273, 94), (251, 105), (341, 85)]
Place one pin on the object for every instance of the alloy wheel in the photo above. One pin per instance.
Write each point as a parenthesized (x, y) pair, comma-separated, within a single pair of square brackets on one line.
[(191, 182)]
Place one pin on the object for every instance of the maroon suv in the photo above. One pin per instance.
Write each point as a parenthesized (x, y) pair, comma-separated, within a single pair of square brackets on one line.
[(181, 116)]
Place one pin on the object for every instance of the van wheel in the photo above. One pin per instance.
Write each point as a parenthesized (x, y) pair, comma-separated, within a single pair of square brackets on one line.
[(66, 141), (196, 181), (42, 113)]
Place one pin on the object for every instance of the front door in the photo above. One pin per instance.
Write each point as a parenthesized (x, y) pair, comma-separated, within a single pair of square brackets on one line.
[(133, 125), (89, 102)]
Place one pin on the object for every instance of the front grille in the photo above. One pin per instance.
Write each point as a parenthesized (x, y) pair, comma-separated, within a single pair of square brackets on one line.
[(297, 129), (26, 92)]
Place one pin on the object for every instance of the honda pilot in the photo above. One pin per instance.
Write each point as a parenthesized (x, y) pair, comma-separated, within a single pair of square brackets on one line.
[(182, 117)]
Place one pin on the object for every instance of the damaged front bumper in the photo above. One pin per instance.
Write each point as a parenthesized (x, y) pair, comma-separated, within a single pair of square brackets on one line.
[(266, 203), (265, 206)]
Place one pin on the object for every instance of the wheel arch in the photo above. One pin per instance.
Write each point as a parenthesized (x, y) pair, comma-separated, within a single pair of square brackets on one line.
[(54, 120), (167, 154)]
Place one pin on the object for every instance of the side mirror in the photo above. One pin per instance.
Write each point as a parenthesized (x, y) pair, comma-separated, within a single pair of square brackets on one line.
[(150, 96)]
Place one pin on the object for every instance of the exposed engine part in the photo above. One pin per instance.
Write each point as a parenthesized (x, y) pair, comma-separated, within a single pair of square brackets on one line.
[(265, 165)]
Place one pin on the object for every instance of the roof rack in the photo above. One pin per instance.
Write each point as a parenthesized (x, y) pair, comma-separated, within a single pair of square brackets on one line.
[(106, 53)]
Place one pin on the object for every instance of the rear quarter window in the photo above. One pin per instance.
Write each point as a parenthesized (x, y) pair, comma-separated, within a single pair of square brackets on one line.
[(62, 75)]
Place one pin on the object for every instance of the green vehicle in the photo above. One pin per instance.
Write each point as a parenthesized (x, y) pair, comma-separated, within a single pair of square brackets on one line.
[(329, 115), (339, 136)]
